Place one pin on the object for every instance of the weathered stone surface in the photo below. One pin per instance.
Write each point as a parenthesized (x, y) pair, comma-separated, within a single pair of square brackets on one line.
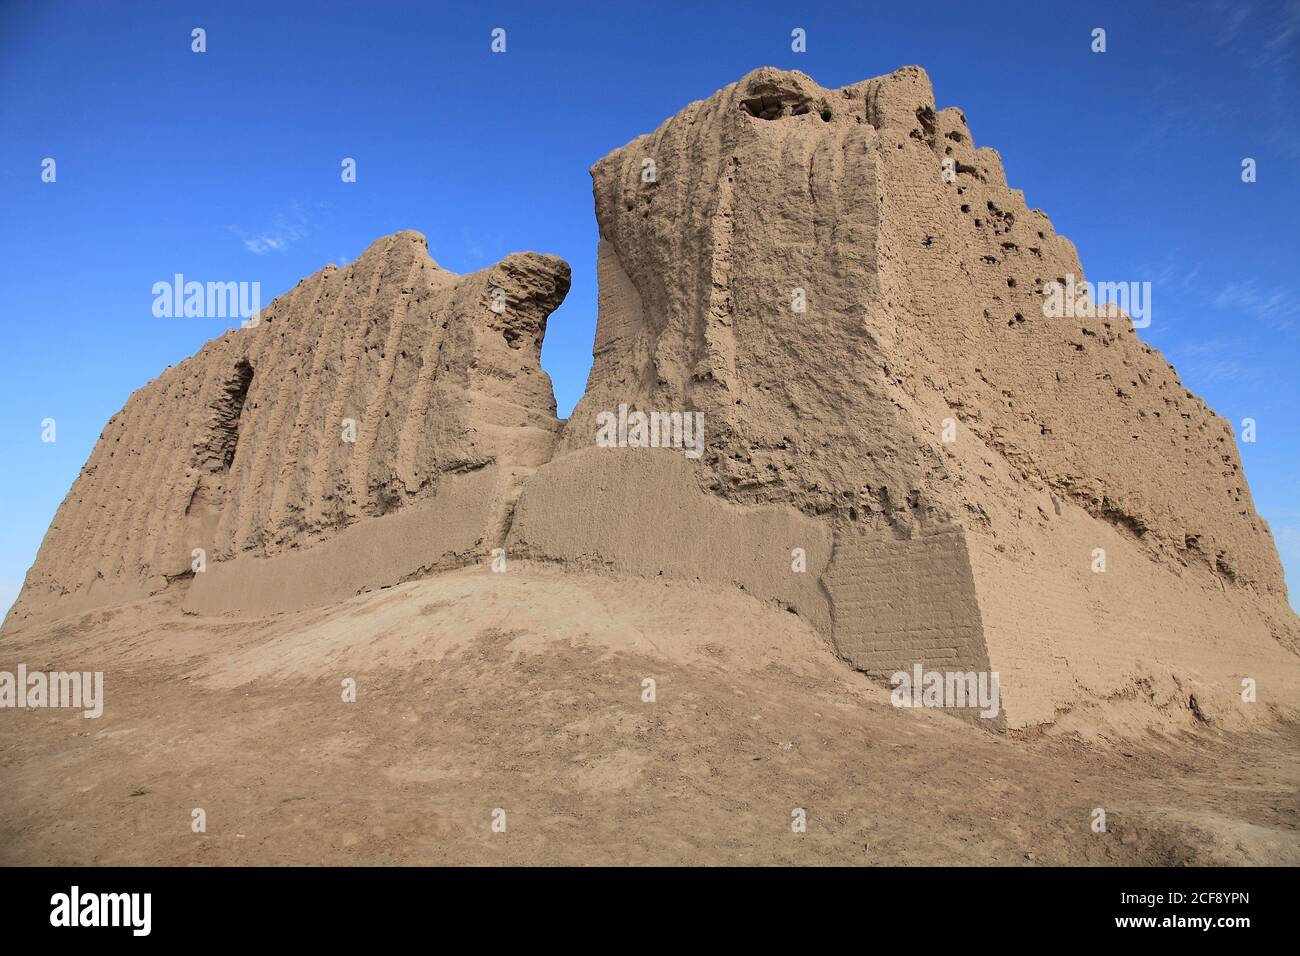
[(899, 446), (924, 309), (922, 304), (240, 450)]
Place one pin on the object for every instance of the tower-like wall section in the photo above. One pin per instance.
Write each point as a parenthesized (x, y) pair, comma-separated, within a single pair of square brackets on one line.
[(352, 397), (867, 341)]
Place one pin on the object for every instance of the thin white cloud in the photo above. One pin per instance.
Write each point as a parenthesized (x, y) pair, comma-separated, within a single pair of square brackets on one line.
[(1262, 38), (1278, 307), (1172, 271), (287, 227), (1227, 370), (1218, 360)]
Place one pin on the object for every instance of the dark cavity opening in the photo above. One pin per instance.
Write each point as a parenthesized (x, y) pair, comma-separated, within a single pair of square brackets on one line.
[(228, 408)]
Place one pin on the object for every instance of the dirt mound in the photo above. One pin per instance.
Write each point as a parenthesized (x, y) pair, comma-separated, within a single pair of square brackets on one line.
[(522, 698)]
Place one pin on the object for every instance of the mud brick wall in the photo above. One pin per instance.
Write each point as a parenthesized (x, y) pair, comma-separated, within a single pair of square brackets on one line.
[(896, 602)]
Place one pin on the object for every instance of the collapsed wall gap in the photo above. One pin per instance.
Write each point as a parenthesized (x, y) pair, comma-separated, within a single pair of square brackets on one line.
[(228, 407)]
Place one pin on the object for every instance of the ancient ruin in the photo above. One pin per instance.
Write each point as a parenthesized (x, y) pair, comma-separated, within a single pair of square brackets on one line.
[(899, 445)]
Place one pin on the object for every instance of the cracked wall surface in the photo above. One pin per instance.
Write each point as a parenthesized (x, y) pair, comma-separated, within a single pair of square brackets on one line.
[(240, 450), (920, 397), (882, 394)]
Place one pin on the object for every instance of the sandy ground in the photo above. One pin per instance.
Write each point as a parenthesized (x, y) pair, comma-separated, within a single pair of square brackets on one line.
[(522, 692)]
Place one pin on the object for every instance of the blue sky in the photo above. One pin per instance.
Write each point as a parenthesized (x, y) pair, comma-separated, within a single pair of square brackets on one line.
[(225, 166)]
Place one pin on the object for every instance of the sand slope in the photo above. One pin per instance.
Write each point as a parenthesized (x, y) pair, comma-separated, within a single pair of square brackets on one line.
[(523, 691)]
